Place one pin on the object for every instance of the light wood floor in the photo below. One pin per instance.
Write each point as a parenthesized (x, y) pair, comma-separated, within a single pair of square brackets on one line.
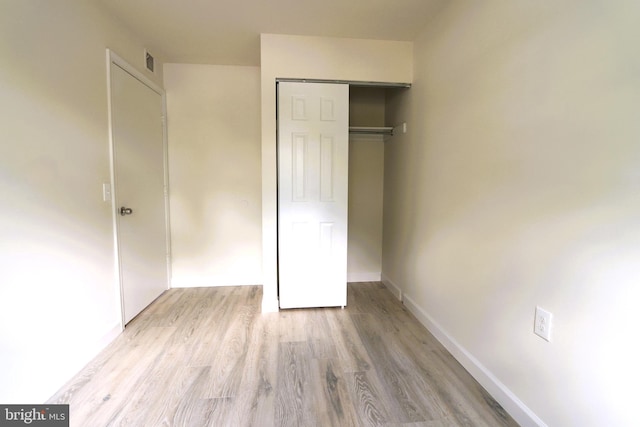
[(208, 357)]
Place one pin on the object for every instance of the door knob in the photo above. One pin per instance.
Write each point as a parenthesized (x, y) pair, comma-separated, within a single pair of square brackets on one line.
[(125, 211)]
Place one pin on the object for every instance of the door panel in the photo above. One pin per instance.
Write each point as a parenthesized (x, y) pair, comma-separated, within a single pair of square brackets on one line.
[(138, 145), (313, 154)]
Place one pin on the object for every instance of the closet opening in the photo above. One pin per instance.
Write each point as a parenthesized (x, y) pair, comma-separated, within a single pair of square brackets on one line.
[(368, 130)]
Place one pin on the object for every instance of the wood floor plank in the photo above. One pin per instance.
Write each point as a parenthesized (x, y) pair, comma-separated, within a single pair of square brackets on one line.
[(367, 399), (349, 348), (316, 328), (179, 404), (333, 405), (451, 384), (112, 387), (400, 397), (293, 387), (292, 326), (231, 354), (214, 324), (256, 397), (209, 357)]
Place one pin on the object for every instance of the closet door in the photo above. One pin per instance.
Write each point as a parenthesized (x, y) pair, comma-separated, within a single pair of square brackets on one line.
[(313, 159)]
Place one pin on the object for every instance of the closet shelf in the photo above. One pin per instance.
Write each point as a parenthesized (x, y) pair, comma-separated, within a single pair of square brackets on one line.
[(371, 130)]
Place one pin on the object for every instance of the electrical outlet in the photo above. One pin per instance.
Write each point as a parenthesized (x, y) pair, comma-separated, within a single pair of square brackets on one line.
[(542, 323)]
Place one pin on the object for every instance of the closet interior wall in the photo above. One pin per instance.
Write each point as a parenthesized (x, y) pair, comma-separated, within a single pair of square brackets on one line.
[(366, 173)]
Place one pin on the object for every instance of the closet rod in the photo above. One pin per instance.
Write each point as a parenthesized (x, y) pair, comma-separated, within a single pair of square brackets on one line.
[(389, 85), (371, 130)]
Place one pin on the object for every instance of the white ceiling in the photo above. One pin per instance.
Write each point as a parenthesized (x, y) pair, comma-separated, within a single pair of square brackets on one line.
[(227, 32)]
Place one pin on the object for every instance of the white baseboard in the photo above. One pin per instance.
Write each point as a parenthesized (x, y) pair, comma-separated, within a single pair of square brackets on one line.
[(270, 306), (393, 288), (206, 282), (363, 276), (108, 337), (505, 397)]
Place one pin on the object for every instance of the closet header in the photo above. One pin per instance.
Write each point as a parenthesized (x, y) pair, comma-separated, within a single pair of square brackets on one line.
[(389, 85)]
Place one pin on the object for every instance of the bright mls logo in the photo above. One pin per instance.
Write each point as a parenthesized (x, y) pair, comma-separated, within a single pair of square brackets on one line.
[(34, 415)]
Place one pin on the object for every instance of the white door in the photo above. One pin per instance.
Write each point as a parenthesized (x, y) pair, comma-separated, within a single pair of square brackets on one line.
[(313, 160), (138, 150)]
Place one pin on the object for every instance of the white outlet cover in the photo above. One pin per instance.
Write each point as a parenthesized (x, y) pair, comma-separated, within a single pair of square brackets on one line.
[(106, 192), (542, 323)]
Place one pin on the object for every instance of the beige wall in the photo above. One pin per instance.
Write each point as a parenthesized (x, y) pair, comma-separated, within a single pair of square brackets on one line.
[(366, 171), (58, 298), (214, 162), (516, 186), (316, 58)]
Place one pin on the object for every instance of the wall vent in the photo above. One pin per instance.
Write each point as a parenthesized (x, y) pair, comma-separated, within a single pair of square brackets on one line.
[(149, 61)]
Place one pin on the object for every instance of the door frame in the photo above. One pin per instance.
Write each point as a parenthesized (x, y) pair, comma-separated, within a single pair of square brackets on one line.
[(113, 58)]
